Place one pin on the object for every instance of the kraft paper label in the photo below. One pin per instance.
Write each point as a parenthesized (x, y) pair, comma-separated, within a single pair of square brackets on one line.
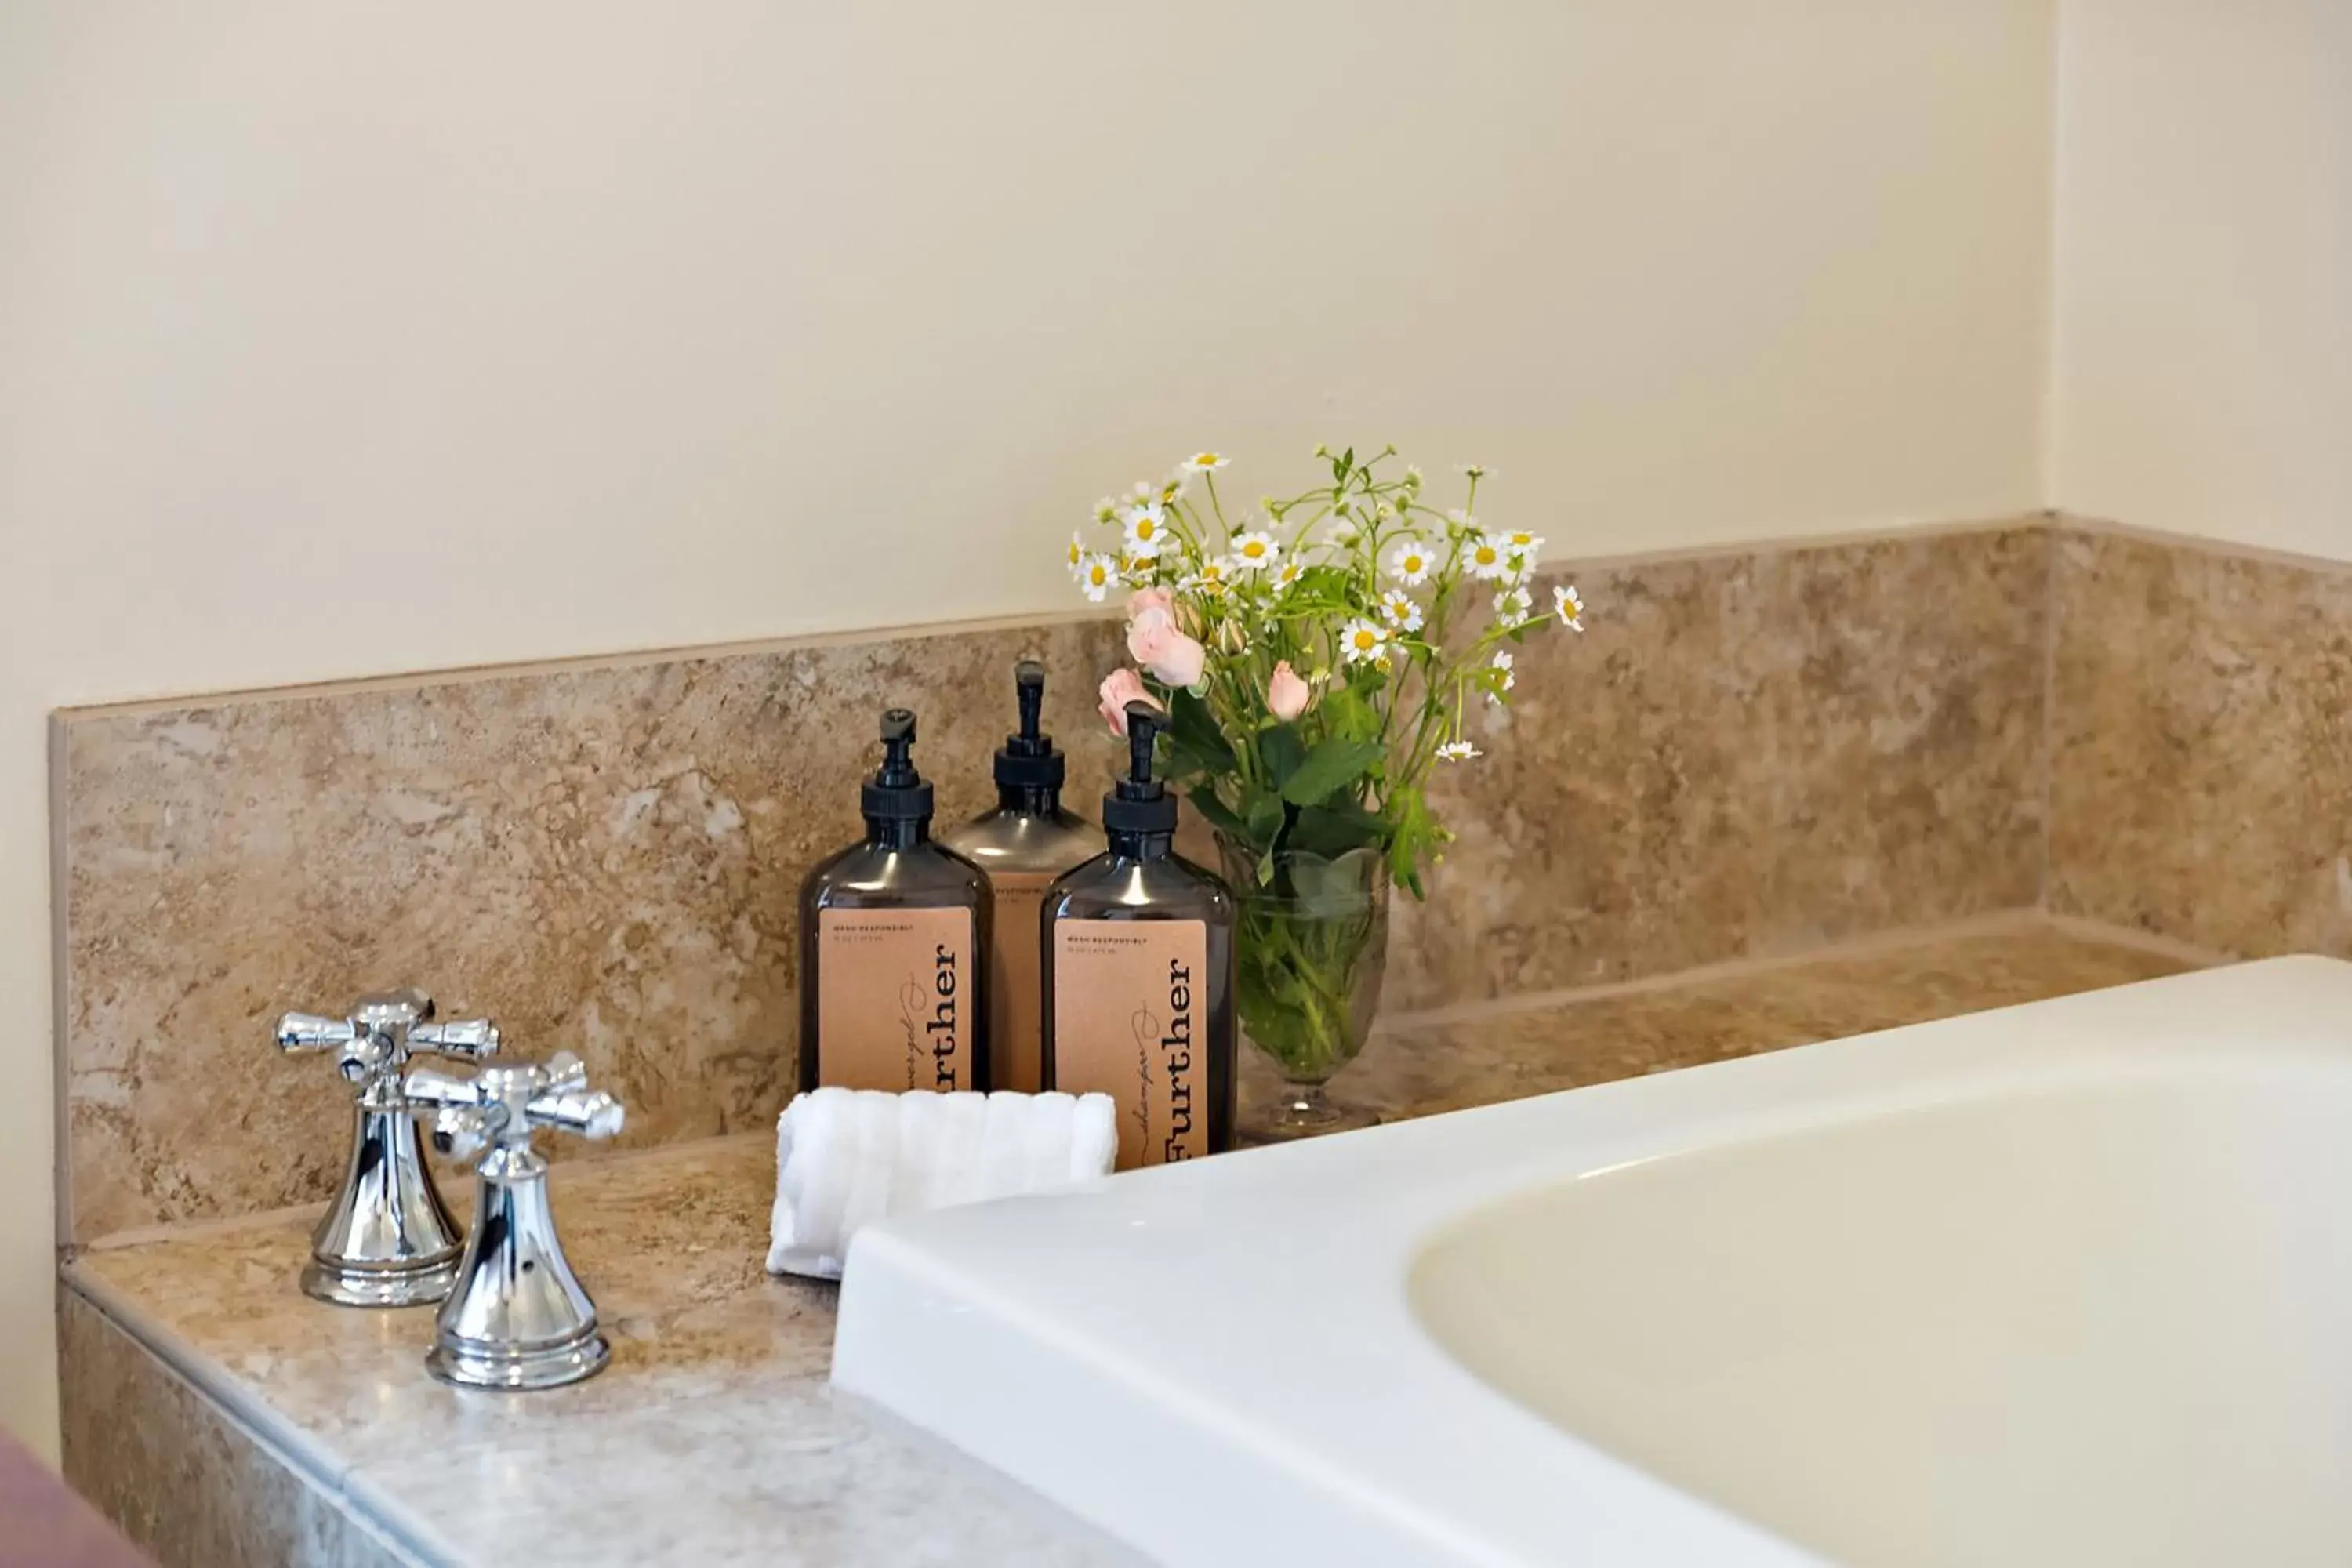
[(1016, 1002), (1131, 1020), (894, 999)]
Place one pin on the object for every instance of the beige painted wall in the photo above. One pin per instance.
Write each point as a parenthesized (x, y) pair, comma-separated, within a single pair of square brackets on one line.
[(2202, 367), (340, 338)]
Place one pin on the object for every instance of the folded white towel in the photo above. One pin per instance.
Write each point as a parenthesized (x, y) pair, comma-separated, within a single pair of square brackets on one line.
[(847, 1156)]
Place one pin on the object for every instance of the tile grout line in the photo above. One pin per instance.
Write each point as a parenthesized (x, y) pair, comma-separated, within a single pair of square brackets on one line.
[(2047, 788), (2085, 928), (2023, 917)]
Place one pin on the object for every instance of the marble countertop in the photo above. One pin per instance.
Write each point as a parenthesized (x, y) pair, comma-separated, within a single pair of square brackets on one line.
[(714, 1436)]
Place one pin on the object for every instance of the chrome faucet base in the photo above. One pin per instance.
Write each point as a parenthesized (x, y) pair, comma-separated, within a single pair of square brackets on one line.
[(517, 1317), (476, 1365), (387, 1239), (349, 1286)]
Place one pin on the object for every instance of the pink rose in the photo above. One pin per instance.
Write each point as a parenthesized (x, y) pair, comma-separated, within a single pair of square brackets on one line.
[(1120, 688), (1144, 599), (1155, 642), (1285, 694)]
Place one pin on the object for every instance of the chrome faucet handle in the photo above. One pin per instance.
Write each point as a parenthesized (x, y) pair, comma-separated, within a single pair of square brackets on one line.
[(505, 1105), (517, 1317), (314, 1032), (387, 1240), (471, 1039), (382, 1031)]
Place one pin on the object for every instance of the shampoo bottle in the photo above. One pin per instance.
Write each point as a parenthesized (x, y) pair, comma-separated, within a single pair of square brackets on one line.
[(894, 931), (1023, 844), (1139, 974)]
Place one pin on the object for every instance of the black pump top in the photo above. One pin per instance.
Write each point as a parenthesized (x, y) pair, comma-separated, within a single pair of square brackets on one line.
[(1140, 805), (897, 793), (1027, 760)]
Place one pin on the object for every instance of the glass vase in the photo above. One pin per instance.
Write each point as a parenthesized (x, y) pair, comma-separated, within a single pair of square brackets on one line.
[(1312, 946)]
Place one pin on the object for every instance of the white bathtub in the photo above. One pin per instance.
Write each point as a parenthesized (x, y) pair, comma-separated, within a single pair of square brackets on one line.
[(2067, 1283)]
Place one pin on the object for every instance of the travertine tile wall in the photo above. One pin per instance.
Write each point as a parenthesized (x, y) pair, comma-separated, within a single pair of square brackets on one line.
[(1746, 754), (2200, 783), (1750, 751), (606, 857)]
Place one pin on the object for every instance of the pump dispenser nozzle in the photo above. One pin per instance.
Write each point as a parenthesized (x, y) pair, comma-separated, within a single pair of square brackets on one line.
[(1029, 690), (897, 793), (1140, 803), (1027, 761), (1143, 726)]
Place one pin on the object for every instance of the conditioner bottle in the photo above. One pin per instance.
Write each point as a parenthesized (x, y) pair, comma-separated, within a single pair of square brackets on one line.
[(1023, 844), (894, 933), (1139, 945)]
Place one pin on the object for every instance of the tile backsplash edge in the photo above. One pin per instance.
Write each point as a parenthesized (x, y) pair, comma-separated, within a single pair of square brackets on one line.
[(618, 658)]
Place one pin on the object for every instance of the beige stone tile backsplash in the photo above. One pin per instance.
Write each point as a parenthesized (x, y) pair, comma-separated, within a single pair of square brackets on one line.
[(2201, 753), (1748, 752), (603, 858)]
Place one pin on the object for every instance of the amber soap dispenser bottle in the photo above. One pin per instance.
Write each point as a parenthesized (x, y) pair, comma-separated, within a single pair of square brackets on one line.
[(1139, 974), (894, 928), (1023, 844)]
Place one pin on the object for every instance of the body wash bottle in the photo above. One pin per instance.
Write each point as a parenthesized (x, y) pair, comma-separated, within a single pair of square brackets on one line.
[(1139, 974), (1023, 844), (893, 992)]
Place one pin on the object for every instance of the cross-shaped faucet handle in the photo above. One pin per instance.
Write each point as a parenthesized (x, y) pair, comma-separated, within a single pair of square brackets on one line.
[(502, 1105), (382, 1030)]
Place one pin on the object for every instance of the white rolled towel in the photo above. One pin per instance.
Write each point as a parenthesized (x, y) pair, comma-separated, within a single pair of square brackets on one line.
[(845, 1157)]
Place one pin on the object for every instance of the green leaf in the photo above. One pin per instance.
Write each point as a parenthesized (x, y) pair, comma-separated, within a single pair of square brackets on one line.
[(1192, 727), (1262, 818), (1332, 830), (1216, 813), (1335, 763), (1280, 748), (1345, 713)]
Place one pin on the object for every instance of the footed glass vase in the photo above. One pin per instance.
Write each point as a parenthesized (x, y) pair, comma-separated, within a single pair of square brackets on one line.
[(1310, 949)]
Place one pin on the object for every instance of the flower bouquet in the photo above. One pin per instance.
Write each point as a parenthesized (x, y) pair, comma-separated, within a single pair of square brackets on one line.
[(1317, 660)]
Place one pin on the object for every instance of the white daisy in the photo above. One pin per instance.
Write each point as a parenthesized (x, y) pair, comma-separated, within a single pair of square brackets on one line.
[(1410, 563), (1569, 606), (1362, 639), (1203, 462), (1475, 471), (1514, 606), (1077, 558), (1106, 510), (1256, 552), (1489, 558), (1173, 485), (1402, 613), (1457, 751), (1147, 527), (1524, 541), (1288, 573), (1210, 578), (1503, 661), (1097, 574)]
